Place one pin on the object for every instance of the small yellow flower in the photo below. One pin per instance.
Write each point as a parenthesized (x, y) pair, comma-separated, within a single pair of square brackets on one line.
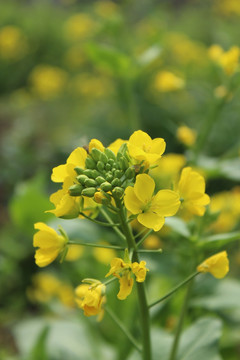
[(150, 209), (74, 252), (186, 135), (229, 60), (142, 148), (123, 271), (50, 244), (215, 52), (217, 265), (191, 189), (79, 26), (95, 144), (90, 298), (166, 81), (13, 44)]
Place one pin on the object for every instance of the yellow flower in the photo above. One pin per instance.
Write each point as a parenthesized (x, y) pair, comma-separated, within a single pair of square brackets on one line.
[(50, 244), (123, 272), (13, 44), (74, 252), (191, 189), (95, 144), (76, 158), (79, 26), (106, 9), (103, 255), (47, 81), (90, 298), (217, 265), (115, 146), (166, 81), (186, 135), (142, 148), (215, 52), (150, 210), (229, 60)]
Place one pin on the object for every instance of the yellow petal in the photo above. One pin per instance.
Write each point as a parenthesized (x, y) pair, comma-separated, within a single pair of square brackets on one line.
[(77, 157), (144, 188), (44, 227), (151, 220), (217, 265), (126, 284), (44, 257), (59, 173), (95, 144), (132, 203), (141, 139), (115, 146), (165, 203), (158, 146)]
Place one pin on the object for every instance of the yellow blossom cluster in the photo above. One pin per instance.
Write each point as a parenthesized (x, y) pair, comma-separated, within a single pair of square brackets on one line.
[(227, 60)]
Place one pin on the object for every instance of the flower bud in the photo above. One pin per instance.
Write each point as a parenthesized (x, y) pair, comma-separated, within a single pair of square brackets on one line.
[(95, 173), (88, 173), (75, 190), (89, 192), (79, 170), (90, 183), (108, 167), (129, 173), (110, 154), (95, 153), (100, 180), (106, 186), (118, 173), (109, 177), (103, 158), (100, 166), (81, 179), (116, 182), (100, 198), (123, 163), (118, 192), (90, 163), (111, 162)]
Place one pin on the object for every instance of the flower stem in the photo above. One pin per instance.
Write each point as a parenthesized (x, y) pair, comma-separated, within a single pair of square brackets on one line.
[(115, 228), (142, 299), (180, 322), (97, 245), (144, 237), (189, 278), (123, 328)]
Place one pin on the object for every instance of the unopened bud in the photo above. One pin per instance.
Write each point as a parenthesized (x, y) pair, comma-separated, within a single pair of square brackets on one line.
[(89, 192), (123, 163), (129, 173), (109, 177), (111, 162), (95, 153), (110, 154), (118, 192), (116, 182), (79, 170), (100, 180), (108, 167), (88, 173), (100, 198), (100, 166), (103, 158), (75, 190), (118, 173), (82, 179), (106, 186), (90, 182), (90, 163)]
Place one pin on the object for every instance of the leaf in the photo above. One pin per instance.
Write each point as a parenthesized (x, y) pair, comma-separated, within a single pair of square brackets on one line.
[(219, 240), (38, 351), (178, 225), (200, 341), (231, 169), (150, 55), (226, 295)]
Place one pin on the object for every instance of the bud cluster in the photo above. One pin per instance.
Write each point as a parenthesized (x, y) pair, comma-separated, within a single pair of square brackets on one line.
[(104, 172)]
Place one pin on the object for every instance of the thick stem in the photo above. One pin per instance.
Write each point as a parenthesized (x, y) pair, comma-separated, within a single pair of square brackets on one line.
[(180, 323), (142, 299)]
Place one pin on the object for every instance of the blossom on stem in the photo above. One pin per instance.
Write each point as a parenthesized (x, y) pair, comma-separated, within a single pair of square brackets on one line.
[(50, 244), (217, 265), (90, 298), (150, 209)]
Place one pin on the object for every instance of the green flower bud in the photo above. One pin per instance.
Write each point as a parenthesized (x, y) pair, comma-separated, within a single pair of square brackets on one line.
[(108, 167), (79, 170), (118, 192), (90, 163), (95, 153), (90, 182), (129, 173), (75, 190), (89, 192), (88, 173), (110, 154), (118, 173), (109, 177), (123, 163), (111, 162), (106, 186), (100, 166), (100, 180), (116, 182), (103, 158), (81, 179), (95, 173)]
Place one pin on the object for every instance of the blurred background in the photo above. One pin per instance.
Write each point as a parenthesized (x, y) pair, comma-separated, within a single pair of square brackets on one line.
[(73, 70)]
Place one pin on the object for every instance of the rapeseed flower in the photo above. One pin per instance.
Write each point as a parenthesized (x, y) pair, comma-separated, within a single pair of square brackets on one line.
[(90, 298), (142, 148), (123, 271), (13, 43), (165, 81), (191, 189), (150, 209), (217, 265), (186, 135), (50, 244)]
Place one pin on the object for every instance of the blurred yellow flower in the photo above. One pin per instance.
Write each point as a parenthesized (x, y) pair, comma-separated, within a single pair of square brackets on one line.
[(227, 7), (95, 144), (186, 135), (106, 9), (49, 244), (104, 256), (47, 81), (150, 209), (217, 265), (13, 43), (168, 168), (215, 52), (152, 242), (123, 272), (166, 81), (90, 298), (115, 146), (74, 252), (191, 189), (142, 148), (228, 60), (79, 26), (91, 86)]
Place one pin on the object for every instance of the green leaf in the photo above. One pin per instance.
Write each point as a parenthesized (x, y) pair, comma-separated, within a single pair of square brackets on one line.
[(219, 240), (225, 295), (38, 351), (178, 225)]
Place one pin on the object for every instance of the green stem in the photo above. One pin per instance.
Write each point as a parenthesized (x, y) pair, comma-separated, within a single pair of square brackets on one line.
[(115, 228), (97, 245), (144, 237), (123, 328), (189, 278), (97, 221), (180, 323), (142, 299)]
